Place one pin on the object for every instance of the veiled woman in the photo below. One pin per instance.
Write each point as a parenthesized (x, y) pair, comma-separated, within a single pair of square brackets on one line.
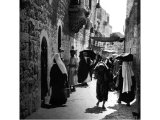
[(58, 81)]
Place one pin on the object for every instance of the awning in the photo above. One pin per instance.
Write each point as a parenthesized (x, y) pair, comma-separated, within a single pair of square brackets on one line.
[(114, 37), (108, 39), (117, 34)]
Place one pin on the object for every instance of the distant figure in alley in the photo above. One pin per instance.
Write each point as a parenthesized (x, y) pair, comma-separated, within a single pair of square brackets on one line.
[(84, 74), (73, 66)]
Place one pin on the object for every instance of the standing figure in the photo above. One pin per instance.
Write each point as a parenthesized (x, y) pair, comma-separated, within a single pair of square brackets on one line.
[(84, 69), (109, 63), (58, 81), (102, 86), (126, 83), (73, 65)]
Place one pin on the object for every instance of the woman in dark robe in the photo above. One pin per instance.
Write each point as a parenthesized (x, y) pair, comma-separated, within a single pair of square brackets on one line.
[(58, 82), (102, 86), (83, 69), (129, 96)]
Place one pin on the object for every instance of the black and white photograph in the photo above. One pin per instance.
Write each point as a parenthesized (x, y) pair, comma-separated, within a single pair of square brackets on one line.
[(80, 59)]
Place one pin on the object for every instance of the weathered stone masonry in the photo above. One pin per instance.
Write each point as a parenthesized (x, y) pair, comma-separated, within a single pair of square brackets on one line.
[(132, 43), (39, 19)]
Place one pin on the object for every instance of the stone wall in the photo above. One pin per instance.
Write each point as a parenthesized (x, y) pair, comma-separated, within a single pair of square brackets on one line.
[(132, 42), (129, 7), (38, 19), (80, 40), (104, 27)]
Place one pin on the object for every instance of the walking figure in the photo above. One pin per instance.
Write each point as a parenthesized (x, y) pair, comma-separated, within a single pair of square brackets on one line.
[(102, 86)]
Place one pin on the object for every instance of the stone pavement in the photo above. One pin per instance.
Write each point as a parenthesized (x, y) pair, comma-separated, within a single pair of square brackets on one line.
[(82, 105)]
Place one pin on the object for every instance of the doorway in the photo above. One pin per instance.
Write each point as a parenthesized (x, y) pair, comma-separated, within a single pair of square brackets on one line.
[(59, 39), (44, 66)]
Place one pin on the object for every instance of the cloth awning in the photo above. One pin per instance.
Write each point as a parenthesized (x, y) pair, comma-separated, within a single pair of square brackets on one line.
[(114, 37), (108, 39)]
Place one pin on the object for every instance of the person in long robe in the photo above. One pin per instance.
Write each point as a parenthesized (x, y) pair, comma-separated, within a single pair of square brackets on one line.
[(102, 86), (109, 63), (116, 70), (126, 84), (84, 69), (73, 65), (58, 81)]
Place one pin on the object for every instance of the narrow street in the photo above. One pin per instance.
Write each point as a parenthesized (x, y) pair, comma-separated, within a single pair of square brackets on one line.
[(82, 105)]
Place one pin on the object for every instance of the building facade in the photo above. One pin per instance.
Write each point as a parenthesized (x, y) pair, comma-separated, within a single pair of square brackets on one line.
[(133, 42), (101, 28), (81, 39), (45, 29)]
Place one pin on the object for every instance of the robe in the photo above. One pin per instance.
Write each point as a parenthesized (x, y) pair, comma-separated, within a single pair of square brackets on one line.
[(102, 85)]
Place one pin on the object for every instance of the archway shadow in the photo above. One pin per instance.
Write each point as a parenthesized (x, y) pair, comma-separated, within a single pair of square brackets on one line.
[(95, 110)]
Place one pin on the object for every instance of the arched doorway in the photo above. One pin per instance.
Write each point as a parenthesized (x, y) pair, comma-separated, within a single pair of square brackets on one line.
[(59, 39), (44, 66)]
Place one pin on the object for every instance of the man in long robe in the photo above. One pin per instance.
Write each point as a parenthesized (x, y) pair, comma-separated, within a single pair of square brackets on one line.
[(102, 86), (73, 65)]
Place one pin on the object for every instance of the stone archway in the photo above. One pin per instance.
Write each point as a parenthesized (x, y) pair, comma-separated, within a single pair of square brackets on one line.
[(44, 68)]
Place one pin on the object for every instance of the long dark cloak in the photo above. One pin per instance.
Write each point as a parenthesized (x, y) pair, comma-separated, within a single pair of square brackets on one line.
[(83, 70), (102, 86), (58, 82)]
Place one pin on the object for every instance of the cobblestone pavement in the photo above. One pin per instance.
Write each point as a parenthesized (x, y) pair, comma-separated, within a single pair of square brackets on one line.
[(82, 105)]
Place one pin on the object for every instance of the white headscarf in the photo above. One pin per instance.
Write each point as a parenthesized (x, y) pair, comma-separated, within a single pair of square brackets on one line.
[(60, 63)]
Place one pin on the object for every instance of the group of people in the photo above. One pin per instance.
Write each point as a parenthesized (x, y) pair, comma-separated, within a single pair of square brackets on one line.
[(63, 81), (115, 74), (111, 74)]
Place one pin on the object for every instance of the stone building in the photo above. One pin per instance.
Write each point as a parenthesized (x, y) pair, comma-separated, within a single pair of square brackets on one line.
[(80, 40), (97, 25), (46, 27), (132, 32), (101, 28), (102, 24)]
